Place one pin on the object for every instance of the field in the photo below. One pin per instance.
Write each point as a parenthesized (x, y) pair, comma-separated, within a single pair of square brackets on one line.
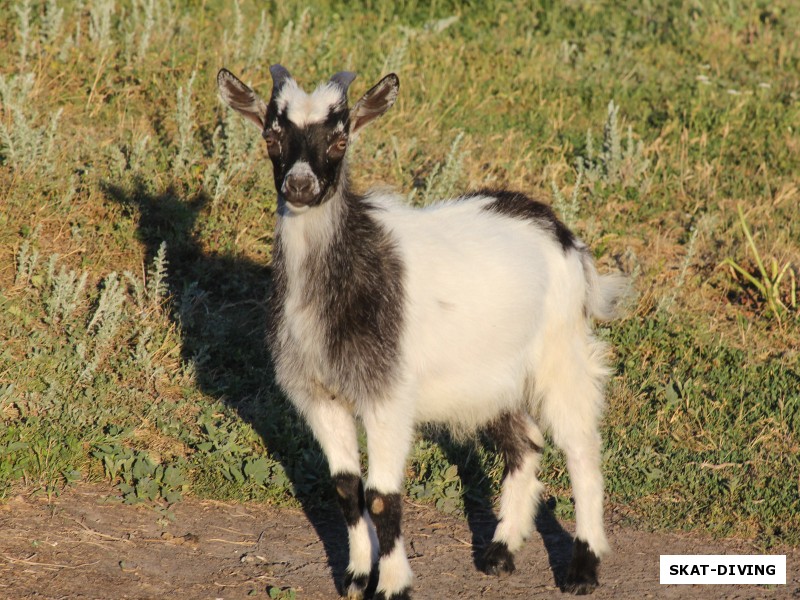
[(136, 218)]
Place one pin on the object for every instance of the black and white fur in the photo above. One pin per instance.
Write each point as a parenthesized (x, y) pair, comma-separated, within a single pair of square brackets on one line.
[(474, 313)]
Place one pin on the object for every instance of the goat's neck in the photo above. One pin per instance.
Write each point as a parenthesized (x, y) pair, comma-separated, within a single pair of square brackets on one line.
[(306, 237)]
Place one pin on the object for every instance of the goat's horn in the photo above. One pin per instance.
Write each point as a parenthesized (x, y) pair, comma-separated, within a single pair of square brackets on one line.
[(279, 76), (343, 79)]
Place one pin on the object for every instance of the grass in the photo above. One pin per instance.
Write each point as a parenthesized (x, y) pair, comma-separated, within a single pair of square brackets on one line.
[(137, 215)]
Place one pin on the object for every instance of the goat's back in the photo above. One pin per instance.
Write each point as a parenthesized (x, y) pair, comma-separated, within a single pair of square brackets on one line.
[(484, 291)]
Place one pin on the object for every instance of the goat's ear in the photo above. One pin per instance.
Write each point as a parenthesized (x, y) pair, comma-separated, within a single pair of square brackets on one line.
[(241, 98), (374, 103)]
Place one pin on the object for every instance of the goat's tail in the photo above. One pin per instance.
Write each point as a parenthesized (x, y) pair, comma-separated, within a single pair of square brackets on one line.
[(606, 295)]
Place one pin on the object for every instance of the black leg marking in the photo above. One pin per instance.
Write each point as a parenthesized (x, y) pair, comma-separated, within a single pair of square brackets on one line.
[(350, 492), (386, 513), (498, 559), (355, 586), (509, 432), (582, 572)]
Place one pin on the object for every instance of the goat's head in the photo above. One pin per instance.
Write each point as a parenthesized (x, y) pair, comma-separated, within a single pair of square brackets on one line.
[(307, 135)]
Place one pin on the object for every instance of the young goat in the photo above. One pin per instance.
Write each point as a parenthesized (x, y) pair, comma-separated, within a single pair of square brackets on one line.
[(473, 313)]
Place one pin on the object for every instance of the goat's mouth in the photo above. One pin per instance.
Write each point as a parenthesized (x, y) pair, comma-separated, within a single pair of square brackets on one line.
[(302, 202), (293, 205)]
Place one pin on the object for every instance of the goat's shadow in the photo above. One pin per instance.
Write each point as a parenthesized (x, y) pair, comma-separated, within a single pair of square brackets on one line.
[(481, 517), (220, 311)]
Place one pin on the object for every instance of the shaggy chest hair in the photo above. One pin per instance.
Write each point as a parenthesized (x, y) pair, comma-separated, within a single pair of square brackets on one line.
[(337, 301)]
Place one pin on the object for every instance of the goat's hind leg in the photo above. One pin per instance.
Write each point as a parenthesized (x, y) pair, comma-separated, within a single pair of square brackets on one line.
[(583, 464), (572, 407), (521, 442), (334, 427)]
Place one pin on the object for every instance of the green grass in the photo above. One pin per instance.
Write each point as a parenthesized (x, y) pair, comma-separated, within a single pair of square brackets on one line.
[(123, 362)]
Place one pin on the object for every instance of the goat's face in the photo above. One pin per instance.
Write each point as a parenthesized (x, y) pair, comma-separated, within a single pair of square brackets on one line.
[(307, 135)]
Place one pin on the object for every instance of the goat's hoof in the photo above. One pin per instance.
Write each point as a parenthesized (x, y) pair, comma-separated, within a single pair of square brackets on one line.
[(498, 559), (582, 573), (583, 588), (355, 586), (404, 594)]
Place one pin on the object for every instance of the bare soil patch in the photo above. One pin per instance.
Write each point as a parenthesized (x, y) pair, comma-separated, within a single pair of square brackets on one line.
[(83, 544)]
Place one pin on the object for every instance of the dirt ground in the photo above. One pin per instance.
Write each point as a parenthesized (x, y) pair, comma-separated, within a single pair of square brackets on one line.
[(82, 545)]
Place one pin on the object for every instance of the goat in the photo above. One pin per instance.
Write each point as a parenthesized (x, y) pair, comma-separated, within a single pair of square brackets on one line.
[(474, 313)]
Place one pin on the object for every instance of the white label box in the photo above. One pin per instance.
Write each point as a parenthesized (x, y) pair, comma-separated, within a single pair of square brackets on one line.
[(755, 569)]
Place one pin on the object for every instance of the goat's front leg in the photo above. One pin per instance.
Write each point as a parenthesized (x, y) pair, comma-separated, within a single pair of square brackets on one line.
[(334, 427), (389, 426)]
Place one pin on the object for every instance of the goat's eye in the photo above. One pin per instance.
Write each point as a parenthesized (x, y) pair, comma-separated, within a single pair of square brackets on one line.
[(273, 143), (338, 147)]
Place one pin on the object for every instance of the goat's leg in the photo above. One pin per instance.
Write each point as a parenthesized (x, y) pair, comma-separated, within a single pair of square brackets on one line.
[(583, 464), (335, 429), (521, 442), (389, 428), (572, 407)]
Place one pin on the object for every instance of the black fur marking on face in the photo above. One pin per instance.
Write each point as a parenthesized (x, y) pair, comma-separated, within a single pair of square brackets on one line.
[(350, 493), (386, 512), (498, 559), (582, 573), (308, 143), (510, 432), (520, 206)]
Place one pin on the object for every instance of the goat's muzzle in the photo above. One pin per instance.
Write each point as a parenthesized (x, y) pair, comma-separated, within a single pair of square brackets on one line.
[(301, 186)]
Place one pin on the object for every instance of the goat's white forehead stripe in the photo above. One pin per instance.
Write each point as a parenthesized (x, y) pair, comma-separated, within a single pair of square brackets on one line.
[(301, 168), (304, 109)]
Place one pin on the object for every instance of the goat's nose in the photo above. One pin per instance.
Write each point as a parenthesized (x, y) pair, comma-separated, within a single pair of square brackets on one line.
[(299, 189), (298, 184)]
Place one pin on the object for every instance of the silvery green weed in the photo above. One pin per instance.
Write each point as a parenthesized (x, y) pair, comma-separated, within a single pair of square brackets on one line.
[(25, 145), (184, 117), (567, 210), (444, 178), (27, 257), (101, 13), (66, 292), (614, 164)]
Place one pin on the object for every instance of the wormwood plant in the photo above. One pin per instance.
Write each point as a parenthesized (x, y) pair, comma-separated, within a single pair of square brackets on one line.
[(66, 292), (27, 257), (23, 10), (614, 164), (25, 145), (442, 181), (185, 120), (101, 13), (766, 282), (568, 210), (234, 151), (666, 303)]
